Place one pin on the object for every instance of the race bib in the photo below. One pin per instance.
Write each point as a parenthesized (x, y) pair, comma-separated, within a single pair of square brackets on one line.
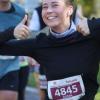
[(71, 88)]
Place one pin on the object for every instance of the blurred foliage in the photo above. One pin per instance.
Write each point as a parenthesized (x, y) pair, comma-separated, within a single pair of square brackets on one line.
[(31, 80), (87, 6)]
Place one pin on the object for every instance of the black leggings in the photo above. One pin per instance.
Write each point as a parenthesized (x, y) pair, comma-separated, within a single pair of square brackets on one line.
[(23, 79), (10, 81)]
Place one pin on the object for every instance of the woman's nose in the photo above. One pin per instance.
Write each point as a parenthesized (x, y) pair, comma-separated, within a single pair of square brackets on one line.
[(49, 10)]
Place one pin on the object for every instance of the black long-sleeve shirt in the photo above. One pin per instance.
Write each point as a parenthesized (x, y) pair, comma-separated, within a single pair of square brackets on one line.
[(64, 57), (6, 35)]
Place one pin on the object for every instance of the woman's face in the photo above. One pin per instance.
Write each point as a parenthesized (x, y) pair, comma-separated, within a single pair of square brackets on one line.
[(56, 13)]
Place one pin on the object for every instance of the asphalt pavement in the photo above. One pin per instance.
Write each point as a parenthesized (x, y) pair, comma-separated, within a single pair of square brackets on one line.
[(32, 94)]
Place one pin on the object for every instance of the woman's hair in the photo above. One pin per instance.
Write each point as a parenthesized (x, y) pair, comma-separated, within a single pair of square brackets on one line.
[(70, 2)]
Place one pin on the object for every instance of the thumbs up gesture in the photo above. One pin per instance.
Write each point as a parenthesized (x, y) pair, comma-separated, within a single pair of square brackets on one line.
[(82, 25), (21, 31)]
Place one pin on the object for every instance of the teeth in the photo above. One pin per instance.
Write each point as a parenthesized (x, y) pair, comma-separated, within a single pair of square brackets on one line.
[(51, 17)]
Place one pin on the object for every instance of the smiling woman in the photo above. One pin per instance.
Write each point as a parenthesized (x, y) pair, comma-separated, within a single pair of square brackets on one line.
[(56, 14)]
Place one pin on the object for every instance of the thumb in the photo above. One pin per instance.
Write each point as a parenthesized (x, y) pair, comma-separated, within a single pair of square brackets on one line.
[(24, 20)]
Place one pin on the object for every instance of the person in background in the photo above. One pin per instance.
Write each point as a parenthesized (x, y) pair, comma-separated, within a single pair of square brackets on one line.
[(37, 24), (12, 80), (23, 76)]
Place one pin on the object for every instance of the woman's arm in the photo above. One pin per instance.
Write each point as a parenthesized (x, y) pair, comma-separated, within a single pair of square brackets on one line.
[(6, 35), (87, 27), (18, 47), (94, 26)]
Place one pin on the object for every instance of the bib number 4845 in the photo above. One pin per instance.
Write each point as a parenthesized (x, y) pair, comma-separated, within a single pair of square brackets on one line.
[(71, 88), (66, 91)]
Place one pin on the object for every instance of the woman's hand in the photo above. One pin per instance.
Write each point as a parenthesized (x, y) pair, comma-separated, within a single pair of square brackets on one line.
[(82, 26), (21, 31)]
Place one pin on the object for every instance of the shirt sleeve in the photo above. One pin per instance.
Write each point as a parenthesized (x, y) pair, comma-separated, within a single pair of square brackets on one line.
[(6, 35), (94, 26), (18, 47)]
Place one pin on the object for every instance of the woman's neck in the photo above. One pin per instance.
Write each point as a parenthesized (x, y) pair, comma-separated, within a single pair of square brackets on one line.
[(61, 28), (5, 6)]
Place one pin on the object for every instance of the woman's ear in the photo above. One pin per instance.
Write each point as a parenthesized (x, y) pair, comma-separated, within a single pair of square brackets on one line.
[(70, 12)]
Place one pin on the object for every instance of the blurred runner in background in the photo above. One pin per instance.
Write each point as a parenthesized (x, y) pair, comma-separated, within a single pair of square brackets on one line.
[(12, 78)]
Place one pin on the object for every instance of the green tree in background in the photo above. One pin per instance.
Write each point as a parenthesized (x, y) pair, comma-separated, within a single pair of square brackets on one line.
[(97, 7), (87, 6), (90, 7)]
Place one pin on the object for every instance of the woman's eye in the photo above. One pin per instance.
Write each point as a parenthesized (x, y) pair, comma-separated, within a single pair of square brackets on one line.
[(55, 5), (45, 7)]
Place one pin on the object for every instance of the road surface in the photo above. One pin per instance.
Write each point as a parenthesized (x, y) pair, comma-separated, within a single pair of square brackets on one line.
[(31, 94)]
